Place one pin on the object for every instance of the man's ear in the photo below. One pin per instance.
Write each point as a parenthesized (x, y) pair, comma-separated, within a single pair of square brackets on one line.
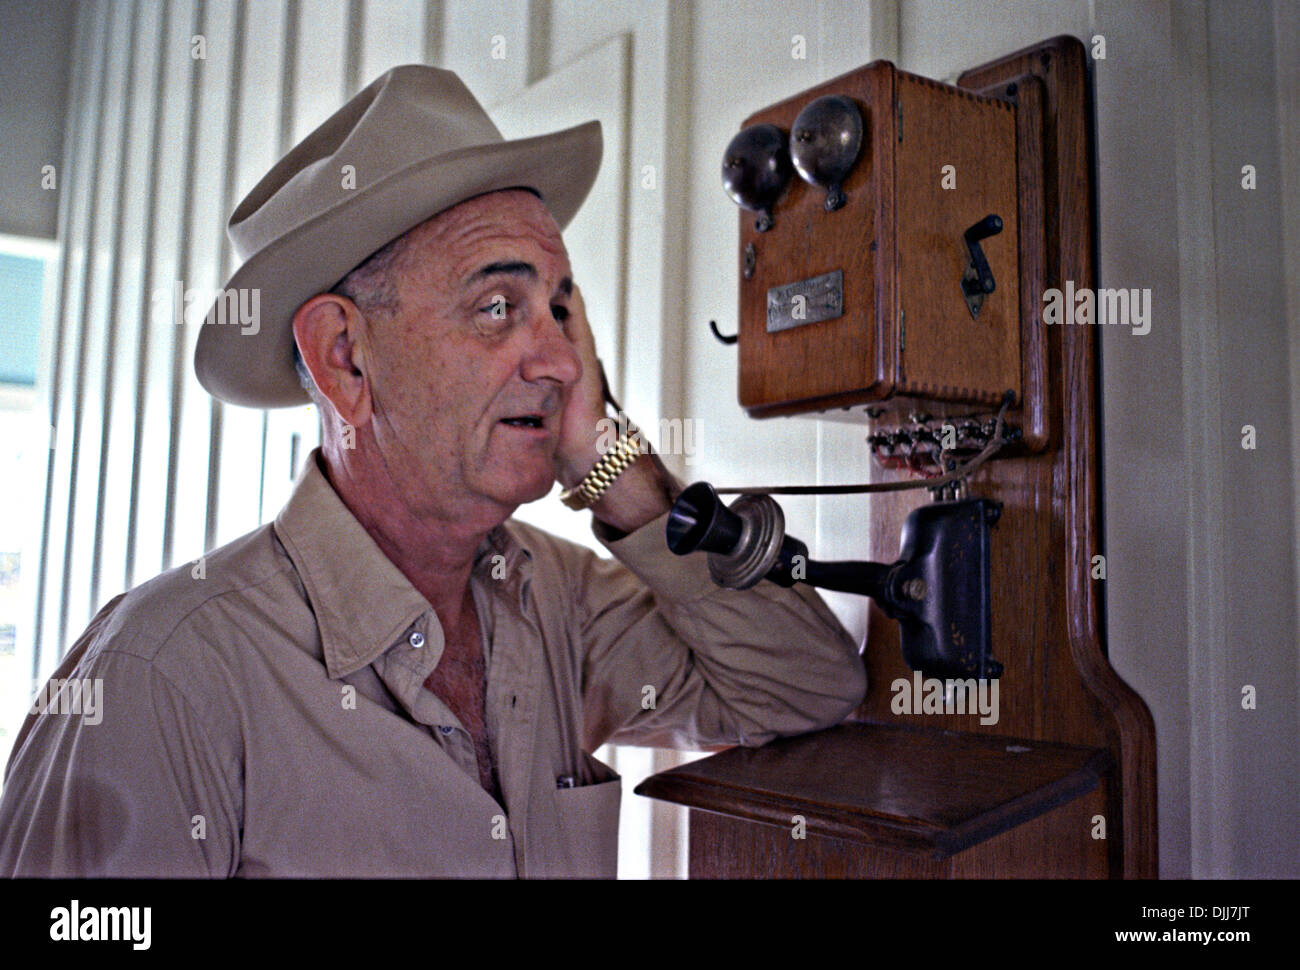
[(329, 330)]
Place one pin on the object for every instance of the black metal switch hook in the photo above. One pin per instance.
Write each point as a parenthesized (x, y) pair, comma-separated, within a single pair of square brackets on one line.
[(977, 282)]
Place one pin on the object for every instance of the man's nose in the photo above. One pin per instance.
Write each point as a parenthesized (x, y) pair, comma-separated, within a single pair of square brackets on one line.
[(550, 354)]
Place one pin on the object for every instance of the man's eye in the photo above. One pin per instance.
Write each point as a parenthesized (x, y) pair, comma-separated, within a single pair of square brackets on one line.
[(493, 318), (561, 313), (498, 309)]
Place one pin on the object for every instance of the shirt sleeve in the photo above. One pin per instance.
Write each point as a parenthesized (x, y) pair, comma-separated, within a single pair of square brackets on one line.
[(673, 660), (124, 783)]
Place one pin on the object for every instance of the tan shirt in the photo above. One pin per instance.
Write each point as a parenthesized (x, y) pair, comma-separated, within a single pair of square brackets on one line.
[(266, 715)]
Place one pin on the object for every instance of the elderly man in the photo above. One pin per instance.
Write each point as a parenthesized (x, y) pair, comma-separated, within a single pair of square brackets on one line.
[(395, 678)]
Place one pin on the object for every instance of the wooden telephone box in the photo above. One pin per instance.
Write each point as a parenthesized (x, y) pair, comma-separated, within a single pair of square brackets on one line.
[(1063, 784)]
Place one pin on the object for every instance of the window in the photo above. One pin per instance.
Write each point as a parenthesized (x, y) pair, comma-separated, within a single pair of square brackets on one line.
[(27, 271)]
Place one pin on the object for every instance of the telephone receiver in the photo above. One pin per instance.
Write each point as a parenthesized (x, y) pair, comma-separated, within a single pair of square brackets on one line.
[(937, 589)]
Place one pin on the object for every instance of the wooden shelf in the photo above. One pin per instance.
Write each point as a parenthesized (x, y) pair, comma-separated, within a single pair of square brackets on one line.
[(927, 791)]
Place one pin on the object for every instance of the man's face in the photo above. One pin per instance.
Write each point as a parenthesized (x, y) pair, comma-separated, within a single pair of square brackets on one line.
[(471, 375)]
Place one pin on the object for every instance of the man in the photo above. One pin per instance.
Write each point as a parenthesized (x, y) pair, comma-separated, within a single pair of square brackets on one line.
[(395, 678)]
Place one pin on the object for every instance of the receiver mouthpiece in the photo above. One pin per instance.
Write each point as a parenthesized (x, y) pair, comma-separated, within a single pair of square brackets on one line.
[(745, 543)]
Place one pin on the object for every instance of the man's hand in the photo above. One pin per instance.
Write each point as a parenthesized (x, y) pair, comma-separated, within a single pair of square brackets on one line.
[(580, 427), (645, 489)]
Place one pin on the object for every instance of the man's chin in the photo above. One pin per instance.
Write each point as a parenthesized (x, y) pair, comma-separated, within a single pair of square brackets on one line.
[(527, 493), (516, 480)]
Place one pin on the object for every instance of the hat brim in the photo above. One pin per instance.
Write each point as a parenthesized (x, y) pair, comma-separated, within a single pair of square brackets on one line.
[(252, 365)]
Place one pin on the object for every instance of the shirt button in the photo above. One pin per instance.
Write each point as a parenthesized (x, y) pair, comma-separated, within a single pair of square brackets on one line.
[(417, 639), (446, 729)]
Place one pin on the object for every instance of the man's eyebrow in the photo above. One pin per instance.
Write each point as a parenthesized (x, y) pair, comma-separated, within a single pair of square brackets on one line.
[(510, 268), (515, 268)]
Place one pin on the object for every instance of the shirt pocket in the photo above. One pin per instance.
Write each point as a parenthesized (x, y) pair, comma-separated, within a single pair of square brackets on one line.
[(587, 825)]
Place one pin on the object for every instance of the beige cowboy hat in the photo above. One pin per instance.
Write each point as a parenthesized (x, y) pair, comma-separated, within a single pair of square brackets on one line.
[(412, 144)]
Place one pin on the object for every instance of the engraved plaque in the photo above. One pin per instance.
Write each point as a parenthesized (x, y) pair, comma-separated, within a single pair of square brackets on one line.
[(807, 301)]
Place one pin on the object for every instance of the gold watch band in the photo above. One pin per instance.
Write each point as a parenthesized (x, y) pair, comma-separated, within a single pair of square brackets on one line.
[(588, 491)]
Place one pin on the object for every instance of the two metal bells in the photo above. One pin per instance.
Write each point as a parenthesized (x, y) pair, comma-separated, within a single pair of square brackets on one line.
[(823, 146)]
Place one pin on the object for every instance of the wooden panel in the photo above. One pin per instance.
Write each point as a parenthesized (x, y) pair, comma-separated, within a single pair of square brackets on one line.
[(906, 328), (1031, 412), (1057, 684), (820, 360), (1069, 205), (944, 352)]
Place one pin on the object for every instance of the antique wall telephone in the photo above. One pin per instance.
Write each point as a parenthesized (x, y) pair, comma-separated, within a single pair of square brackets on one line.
[(896, 241)]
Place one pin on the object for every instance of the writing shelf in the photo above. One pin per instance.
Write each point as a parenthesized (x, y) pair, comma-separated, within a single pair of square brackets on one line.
[(925, 791)]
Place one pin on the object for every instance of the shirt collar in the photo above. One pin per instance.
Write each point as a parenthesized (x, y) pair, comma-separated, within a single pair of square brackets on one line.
[(362, 601)]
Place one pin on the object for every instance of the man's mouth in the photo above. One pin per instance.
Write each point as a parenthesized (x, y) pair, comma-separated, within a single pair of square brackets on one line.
[(524, 421)]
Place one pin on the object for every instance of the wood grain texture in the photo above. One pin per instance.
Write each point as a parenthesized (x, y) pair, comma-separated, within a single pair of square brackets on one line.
[(906, 328), (845, 357), (1031, 413), (956, 165), (1056, 845)]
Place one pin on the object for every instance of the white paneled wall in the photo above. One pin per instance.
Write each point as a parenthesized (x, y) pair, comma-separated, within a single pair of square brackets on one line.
[(176, 109)]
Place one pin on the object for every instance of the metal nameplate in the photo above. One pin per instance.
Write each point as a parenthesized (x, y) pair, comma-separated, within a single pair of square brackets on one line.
[(808, 301)]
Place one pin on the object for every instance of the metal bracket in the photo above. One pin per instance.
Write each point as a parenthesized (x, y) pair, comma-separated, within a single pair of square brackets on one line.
[(727, 339)]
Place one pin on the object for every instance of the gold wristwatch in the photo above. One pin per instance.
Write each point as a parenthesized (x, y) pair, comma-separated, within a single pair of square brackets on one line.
[(615, 461)]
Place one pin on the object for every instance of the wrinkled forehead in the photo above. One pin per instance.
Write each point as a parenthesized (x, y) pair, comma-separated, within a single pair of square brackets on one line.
[(508, 222)]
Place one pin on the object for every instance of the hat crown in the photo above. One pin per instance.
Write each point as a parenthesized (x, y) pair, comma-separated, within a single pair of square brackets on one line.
[(412, 112)]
